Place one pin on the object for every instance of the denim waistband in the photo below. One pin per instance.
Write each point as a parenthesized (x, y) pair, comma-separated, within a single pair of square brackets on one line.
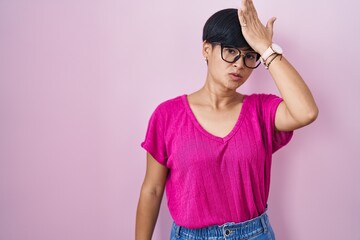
[(247, 229)]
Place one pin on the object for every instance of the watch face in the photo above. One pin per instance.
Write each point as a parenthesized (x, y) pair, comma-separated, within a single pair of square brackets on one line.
[(277, 48)]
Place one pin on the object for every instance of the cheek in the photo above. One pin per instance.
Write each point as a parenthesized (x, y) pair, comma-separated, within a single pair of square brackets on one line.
[(217, 69), (248, 73), (219, 66)]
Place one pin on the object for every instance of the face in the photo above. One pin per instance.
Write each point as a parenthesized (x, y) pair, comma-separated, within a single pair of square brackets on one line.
[(226, 75)]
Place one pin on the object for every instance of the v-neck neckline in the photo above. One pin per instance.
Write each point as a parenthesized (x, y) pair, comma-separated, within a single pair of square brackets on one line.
[(208, 134)]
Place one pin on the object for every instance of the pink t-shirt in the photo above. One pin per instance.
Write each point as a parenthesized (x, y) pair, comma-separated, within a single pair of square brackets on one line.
[(214, 180)]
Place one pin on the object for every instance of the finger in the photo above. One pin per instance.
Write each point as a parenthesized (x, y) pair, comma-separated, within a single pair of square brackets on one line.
[(243, 3), (245, 7), (242, 19), (270, 25), (252, 8), (249, 12)]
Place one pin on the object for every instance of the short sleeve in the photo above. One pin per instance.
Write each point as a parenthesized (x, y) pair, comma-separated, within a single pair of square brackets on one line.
[(278, 139), (154, 142)]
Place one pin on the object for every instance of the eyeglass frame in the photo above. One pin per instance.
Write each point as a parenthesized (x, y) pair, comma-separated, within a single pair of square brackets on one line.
[(237, 57)]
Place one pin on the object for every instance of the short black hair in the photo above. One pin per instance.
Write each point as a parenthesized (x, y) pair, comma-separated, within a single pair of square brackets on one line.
[(224, 27)]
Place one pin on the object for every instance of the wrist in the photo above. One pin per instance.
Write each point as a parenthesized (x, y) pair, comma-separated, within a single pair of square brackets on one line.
[(263, 48), (272, 49), (271, 59)]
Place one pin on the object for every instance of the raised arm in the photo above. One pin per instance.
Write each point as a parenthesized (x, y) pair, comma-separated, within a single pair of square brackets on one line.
[(298, 108), (151, 194)]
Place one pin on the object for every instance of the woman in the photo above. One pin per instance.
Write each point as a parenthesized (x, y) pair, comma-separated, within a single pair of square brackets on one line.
[(212, 149)]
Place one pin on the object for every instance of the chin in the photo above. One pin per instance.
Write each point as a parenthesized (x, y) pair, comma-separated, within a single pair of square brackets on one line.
[(236, 82), (233, 85)]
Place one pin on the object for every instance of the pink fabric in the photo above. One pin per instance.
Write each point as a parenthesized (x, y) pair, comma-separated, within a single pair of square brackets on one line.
[(215, 180)]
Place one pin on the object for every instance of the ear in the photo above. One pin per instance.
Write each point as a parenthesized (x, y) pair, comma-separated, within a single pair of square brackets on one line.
[(206, 49)]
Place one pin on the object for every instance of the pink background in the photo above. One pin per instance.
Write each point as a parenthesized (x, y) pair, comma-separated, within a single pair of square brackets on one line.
[(79, 80)]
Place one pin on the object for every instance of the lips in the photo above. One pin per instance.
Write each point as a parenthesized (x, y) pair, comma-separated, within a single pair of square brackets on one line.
[(235, 76)]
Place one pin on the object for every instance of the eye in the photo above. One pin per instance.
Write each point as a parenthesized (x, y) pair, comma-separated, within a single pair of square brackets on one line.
[(251, 56), (231, 51)]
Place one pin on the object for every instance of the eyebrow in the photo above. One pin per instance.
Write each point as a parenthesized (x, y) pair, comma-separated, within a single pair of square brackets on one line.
[(241, 49), (247, 49)]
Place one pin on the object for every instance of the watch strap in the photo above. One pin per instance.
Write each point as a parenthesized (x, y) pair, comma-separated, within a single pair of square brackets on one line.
[(268, 52)]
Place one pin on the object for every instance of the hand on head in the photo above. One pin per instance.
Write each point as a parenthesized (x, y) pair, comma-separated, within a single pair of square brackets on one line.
[(255, 33)]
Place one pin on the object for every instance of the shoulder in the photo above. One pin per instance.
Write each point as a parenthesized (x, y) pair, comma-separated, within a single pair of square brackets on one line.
[(262, 103), (170, 108), (263, 99), (171, 105)]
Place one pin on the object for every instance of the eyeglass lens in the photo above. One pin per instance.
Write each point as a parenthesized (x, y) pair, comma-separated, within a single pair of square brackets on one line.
[(231, 55)]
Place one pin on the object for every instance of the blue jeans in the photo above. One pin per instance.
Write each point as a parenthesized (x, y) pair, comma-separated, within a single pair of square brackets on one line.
[(258, 228)]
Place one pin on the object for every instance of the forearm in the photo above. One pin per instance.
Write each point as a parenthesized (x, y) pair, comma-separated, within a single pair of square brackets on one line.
[(299, 107), (147, 214), (298, 99)]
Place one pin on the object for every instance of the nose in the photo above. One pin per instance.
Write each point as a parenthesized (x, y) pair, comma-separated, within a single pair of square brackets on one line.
[(240, 61)]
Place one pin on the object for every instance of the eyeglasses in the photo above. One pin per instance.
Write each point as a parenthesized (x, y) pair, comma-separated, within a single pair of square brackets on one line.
[(231, 54)]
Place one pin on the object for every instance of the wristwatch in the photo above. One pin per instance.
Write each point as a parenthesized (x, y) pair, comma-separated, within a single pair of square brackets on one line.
[(274, 48)]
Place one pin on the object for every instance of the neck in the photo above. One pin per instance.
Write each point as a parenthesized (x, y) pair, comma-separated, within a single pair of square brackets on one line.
[(217, 98)]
